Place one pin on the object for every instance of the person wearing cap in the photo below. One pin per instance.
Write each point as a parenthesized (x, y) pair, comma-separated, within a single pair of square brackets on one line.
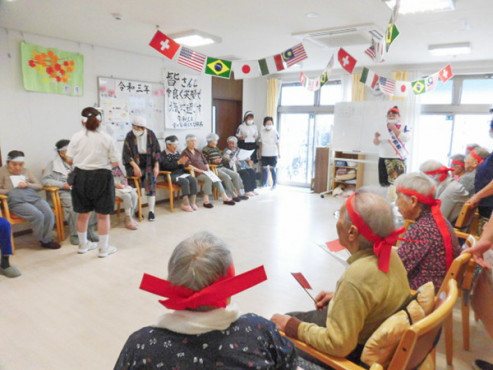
[(171, 160), (231, 179), (372, 288), (202, 328), (247, 133), (141, 158), (392, 150), (475, 157), (21, 187), (243, 167), (429, 244), (93, 153), (56, 174), (459, 166), (451, 193), (6, 250), (269, 151), (197, 162)]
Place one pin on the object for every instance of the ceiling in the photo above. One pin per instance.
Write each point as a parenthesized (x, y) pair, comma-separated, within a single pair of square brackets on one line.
[(253, 29)]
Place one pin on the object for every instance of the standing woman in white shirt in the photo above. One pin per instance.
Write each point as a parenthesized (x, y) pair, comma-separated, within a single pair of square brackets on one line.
[(93, 154), (269, 150)]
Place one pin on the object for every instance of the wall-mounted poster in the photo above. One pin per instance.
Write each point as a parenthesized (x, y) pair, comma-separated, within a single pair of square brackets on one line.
[(121, 100), (51, 70), (183, 100)]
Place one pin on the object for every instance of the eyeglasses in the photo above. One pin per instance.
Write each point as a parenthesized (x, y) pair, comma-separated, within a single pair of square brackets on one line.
[(337, 214)]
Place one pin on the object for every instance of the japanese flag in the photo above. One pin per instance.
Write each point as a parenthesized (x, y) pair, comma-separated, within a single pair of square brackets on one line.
[(402, 88), (246, 69)]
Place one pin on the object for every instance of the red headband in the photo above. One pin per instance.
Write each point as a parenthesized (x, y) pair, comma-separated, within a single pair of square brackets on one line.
[(381, 246), (394, 110), (216, 294), (476, 156), (458, 163), (437, 216), (442, 170)]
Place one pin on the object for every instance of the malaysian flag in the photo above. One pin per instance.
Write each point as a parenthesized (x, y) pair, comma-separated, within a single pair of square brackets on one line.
[(191, 59), (294, 55), (371, 52), (387, 85)]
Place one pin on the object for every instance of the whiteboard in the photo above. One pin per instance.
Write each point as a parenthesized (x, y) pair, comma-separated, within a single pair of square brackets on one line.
[(355, 125), (121, 100)]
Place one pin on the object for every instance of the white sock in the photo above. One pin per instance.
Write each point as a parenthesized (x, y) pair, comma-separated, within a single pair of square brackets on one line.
[(151, 201), (82, 238), (103, 241)]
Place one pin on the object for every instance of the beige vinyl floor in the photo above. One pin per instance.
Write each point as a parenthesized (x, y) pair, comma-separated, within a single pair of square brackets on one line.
[(70, 311)]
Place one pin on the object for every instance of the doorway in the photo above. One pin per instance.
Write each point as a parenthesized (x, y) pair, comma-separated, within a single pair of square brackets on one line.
[(226, 118)]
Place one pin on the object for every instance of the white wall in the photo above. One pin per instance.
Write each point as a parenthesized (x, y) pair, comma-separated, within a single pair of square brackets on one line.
[(33, 122)]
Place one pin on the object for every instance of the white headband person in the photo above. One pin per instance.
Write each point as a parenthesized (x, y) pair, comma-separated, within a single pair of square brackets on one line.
[(15, 159), (172, 141), (139, 121), (62, 148), (232, 139), (212, 137), (190, 137)]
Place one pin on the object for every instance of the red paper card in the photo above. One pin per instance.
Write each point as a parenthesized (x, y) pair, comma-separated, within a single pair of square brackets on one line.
[(334, 246), (301, 280)]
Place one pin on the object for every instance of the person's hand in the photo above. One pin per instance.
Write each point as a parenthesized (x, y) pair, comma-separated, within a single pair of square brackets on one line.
[(280, 320), (474, 200), (477, 252), (183, 160), (119, 186), (217, 160), (155, 171), (376, 139), (66, 186), (255, 137), (22, 185), (137, 172), (242, 137), (322, 299), (377, 135)]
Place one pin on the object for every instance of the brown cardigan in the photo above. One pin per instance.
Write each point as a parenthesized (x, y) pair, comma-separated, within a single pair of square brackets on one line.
[(6, 184)]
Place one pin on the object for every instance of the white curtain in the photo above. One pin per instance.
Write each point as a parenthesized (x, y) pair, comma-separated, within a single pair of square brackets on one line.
[(273, 91)]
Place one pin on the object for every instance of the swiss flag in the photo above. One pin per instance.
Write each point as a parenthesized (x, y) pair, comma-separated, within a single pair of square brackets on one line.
[(164, 45), (347, 61), (446, 73)]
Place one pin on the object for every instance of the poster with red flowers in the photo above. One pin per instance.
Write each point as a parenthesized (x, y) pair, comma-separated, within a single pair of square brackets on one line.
[(52, 70)]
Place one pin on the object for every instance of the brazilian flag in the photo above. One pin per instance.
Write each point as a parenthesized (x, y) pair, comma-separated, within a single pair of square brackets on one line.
[(218, 67), (418, 86), (390, 34)]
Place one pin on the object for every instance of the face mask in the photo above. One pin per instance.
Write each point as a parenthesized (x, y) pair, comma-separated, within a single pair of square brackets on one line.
[(268, 127), (249, 122), (138, 133), (393, 121)]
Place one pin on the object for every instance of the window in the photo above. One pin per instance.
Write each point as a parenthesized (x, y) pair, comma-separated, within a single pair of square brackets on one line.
[(477, 91), (441, 94), (295, 94), (330, 93), (470, 129)]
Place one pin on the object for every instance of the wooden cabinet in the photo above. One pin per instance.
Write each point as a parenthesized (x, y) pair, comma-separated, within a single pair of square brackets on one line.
[(320, 181), (351, 162)]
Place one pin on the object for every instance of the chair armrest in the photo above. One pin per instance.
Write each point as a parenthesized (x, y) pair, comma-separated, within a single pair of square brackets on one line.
[(190, 169), (51, 189), (213, 168), (4, 206), (167, 174), (335, 362)]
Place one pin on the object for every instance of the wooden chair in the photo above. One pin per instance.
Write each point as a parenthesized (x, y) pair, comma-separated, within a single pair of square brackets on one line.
[(416, 344), (168, 185), (201, 183), (468, 220), (57, 211)]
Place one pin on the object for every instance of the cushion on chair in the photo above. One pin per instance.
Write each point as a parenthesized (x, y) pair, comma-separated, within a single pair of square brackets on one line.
[(382, 344)]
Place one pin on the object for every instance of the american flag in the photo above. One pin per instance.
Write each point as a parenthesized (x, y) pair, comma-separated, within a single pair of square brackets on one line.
[(371, 52), (387, 85), (191, 59), (294, 55)]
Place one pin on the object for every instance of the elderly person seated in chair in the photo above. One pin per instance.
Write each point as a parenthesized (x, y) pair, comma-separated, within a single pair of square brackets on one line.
[(450, 192), (171, 160), (205, 330), (372, 288), (472, 161), (56, 174), (22, 186), (197, 162), (429, 244), (231, 179), (243, 167)]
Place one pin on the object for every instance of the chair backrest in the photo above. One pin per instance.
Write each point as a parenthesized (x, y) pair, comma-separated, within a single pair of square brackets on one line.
[(466, 217), (456, 271), (421, 337)]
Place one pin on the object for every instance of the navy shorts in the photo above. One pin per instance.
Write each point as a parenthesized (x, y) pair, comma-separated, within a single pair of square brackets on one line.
[(93, 191), (269, 161)]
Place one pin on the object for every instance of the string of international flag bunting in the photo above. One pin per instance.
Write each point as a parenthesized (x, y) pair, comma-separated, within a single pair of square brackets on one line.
[(255, 68)]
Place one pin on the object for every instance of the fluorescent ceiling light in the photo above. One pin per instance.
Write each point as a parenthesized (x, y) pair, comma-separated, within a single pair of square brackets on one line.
[(195, 38), (458, 48), (421, 6)]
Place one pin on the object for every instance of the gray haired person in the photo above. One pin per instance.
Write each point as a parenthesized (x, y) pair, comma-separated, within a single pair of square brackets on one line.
[(205, 332)]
